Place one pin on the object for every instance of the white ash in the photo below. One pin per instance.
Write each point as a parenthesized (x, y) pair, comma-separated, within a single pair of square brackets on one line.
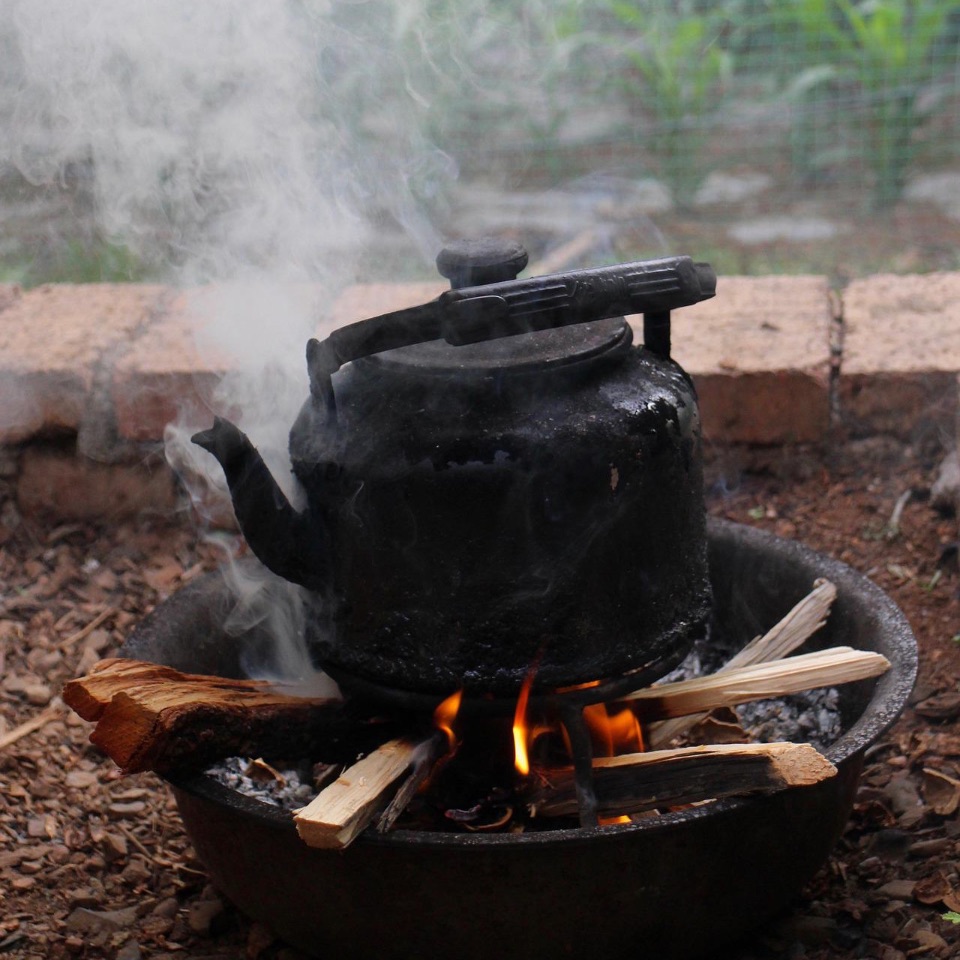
[(812, 716), (294, 788), (809, 717)]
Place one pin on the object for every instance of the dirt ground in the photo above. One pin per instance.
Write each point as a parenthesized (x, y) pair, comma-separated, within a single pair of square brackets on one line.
[(93, 864)]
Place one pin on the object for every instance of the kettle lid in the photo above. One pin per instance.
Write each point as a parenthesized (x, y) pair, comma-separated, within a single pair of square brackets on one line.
[(526, 353)]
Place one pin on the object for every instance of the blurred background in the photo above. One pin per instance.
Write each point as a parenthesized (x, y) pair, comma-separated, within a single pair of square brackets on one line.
[(793, 136)]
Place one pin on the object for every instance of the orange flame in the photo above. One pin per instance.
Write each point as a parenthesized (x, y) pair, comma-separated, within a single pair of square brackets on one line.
[(613, 731), (613, 821), (521, 759), (445, 715)]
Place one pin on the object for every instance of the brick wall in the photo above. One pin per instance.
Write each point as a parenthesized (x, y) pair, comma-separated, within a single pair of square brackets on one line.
[(91, 374)]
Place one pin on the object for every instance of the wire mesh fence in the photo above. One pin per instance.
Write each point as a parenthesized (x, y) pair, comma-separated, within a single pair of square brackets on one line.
[(185, 130), (858, 95)]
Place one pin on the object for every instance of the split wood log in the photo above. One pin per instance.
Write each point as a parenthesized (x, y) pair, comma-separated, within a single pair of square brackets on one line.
[(426, 760), (668, 778), (804, 620), (151, 717), (762, 681), (342, 810)]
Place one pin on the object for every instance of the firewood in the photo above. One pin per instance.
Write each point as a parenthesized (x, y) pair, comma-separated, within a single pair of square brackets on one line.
[(427, 759), (151, 717), (762, 681), (341, 811), (667, 778), (805, 619)]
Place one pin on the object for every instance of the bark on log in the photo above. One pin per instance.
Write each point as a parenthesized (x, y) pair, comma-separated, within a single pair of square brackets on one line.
[(667, 778), (151, 717)]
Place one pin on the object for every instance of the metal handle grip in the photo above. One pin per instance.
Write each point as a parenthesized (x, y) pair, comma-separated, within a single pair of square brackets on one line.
[(474, 314), (487, 312)]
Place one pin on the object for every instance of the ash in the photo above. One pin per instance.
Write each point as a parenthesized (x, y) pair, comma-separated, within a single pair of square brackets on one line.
[(289, 787), (810, 717)]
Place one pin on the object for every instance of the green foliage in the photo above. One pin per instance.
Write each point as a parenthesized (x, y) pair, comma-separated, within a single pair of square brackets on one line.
[(681, 69), (77, 261), (883, 51), (951, 915)]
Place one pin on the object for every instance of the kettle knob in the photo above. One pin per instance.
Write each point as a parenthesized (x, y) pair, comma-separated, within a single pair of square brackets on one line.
[(479, 261)]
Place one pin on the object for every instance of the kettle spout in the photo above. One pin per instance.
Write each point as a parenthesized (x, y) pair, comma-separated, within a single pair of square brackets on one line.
[(285, 541)]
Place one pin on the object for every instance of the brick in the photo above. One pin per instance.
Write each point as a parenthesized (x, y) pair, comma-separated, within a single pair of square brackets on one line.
[(164, 372), (52, 340), (901, 354), (58, 483), (173, 370), (759, 352)]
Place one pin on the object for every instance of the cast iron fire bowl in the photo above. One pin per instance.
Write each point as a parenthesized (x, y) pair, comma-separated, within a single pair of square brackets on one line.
[(677, 886)]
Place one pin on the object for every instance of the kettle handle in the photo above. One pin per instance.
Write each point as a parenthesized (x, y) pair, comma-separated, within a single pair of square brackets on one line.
[(490, 311), (474, 314)]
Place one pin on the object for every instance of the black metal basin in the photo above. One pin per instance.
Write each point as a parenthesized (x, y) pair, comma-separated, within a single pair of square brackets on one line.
[(678, 886)]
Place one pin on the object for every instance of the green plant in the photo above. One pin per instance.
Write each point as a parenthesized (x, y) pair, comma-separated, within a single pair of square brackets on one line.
[(76, 261), (681, 70), (883, 49)]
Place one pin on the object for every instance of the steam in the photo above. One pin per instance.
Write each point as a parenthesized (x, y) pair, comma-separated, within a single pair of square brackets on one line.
[(229, 144), (199, 123), (271, 608), (262, 151)]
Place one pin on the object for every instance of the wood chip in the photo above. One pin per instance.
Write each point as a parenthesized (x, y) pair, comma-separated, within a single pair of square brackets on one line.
[(932, 889), (941, 706), (53, 712), (941, 792), (91, 626)]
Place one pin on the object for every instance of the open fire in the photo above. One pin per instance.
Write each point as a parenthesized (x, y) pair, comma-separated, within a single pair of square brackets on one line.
[(582, 759), (734, 848), (503, 498)]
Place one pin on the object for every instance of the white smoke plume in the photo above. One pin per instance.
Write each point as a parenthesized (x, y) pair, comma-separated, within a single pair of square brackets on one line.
[(263, 148)]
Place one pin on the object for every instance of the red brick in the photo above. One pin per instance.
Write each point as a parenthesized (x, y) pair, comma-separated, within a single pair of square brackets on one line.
[(163, 372), (173, 370), (52, 339), (901, 353), (759, 353), (60, 484)]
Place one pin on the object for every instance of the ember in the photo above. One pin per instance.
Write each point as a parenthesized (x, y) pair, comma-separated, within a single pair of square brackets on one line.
[(131, 703), (413, 860), (463, 531)]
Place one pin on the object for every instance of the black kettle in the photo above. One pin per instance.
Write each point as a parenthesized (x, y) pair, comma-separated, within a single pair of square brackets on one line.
[(495, 479)]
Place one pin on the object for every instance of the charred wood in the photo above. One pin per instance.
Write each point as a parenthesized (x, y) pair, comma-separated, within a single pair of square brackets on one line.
[(667, 778)]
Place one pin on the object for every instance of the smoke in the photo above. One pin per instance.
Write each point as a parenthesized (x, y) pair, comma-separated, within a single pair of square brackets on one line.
[(268, 153), (229, 144), (220, 133)]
